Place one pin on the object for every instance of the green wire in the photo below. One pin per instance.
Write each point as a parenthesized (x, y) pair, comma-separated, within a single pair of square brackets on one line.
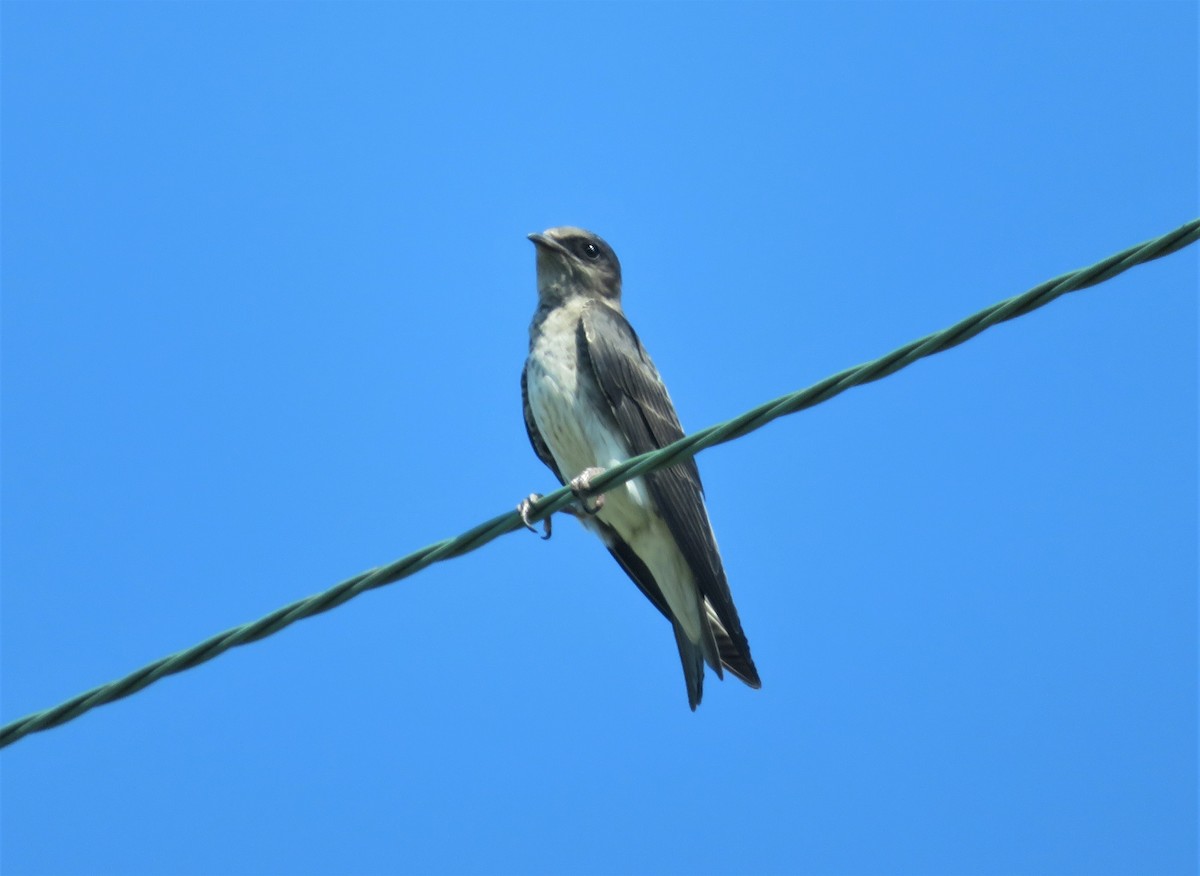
[(631, 468)]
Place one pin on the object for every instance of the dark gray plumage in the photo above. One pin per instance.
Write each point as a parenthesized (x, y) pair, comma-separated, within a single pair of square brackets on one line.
[(593, 398)]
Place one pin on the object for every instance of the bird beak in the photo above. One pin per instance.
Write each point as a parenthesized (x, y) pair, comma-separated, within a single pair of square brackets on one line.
[(549, 243)]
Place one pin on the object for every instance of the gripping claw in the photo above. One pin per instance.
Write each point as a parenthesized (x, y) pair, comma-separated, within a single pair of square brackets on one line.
[(525, 507)]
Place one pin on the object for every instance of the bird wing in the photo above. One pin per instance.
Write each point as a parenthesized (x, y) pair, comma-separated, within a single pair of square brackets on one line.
[(647, 419), (531, 429)]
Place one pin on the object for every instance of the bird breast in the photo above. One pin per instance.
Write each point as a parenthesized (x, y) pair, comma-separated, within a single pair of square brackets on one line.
[(571, 411)]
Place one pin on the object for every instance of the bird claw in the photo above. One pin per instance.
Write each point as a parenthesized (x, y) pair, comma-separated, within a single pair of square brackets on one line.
[(524, 507), (581, 486), (586, 505)]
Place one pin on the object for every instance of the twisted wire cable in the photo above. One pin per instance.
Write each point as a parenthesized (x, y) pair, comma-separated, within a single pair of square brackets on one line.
[(680, 450)]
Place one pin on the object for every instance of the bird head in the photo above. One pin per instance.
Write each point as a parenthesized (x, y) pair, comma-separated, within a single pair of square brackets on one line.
[(571, 261)]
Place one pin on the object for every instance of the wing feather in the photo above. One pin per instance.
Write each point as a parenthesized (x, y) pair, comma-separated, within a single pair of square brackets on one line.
[(535, 436)]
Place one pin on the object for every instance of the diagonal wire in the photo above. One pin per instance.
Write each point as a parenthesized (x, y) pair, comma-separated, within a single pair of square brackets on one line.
[(638, 465)]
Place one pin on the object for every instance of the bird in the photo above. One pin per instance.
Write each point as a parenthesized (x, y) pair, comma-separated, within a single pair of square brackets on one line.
[(593, 398)]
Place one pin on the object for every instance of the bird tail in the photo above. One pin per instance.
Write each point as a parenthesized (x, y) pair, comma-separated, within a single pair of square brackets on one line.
[(736, 659), (716, 648), (691, 656)]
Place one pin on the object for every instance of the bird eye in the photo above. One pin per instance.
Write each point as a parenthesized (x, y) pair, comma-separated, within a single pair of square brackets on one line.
[(591, 251)]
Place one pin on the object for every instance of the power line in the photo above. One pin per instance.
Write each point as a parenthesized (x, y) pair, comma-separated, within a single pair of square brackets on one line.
[(631, 468)]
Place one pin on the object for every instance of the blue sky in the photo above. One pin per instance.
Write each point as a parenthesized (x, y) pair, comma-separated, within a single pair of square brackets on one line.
[(265, 299)]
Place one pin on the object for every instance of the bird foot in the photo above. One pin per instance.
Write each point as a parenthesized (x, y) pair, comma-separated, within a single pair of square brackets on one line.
[(581, 486), (524, 507)]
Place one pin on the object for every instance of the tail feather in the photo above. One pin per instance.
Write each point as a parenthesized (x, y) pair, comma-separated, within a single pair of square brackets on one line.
[(691, 656), (735, 659), (715, 641)]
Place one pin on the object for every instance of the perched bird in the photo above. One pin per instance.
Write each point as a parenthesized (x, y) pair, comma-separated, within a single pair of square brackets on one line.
[(592, 399)]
